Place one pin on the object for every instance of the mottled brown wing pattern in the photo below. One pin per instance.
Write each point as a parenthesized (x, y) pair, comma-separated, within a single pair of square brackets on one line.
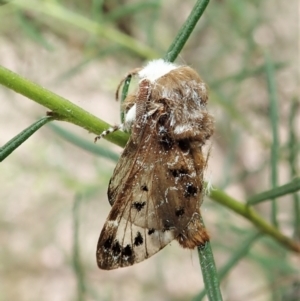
[(128, 235), (155, 191), (122, 243)]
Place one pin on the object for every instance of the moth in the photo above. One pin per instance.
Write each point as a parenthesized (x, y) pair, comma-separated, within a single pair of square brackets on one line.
[(157, 186)]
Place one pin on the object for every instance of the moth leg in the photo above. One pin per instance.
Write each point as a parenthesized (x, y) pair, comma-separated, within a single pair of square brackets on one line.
[(109, 131)]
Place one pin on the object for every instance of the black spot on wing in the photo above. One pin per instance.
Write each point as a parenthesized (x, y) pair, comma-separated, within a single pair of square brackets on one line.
[(144, 187), (138, 240), (108, 243), (116, 248), (127, 251), (176, 173), (166, 142), (167, 225), (190, 190), (138, 205), (127, 256), (184, 145), (151, 231), (179, 212)]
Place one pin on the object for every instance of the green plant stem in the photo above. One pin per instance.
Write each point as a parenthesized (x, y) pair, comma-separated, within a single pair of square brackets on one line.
[(238, 254), (15, 142), (294, 111), (209, 272), (62, 108), (186, 30), (274, 122), (81, 286), (276, 192), (250, 214)]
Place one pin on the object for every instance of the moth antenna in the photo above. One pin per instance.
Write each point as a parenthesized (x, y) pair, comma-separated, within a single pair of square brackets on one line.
[(131, 73), (109, 131)]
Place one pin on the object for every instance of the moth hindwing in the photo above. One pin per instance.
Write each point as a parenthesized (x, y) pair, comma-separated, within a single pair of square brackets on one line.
[(157, 186)]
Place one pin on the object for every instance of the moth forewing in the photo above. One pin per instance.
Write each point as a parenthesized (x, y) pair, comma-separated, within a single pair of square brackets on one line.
[(157, 186)]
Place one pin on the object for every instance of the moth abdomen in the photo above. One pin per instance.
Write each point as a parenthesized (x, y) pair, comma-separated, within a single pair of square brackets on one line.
[(194, 234)]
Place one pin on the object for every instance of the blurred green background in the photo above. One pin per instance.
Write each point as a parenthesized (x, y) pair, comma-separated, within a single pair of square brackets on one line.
[(53, 193)]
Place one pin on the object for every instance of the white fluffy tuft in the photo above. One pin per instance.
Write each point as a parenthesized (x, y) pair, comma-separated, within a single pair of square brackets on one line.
[(179, 129), (130, 118), (156, 69), (131, 114)]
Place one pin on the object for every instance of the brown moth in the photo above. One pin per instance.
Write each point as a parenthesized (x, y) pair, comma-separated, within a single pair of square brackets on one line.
[(157, 186)]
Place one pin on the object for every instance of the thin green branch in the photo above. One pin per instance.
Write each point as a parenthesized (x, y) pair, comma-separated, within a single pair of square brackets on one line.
[(62, 108), (186, 30), (276, 192), (238, 254), (250, 214), (209, 272), (15, 142), (77, 266), (294, 111), (274, 122)]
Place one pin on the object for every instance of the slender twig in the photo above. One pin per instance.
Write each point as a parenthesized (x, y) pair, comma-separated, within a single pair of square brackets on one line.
[(186, 30), (274, 123), (79, 272), (63, 109), (15, 142), (276, 192), (293, 163), (250, 214), (209, 272), (237, 255)]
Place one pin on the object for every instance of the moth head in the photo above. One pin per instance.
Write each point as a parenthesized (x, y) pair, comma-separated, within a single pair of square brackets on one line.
[(152, 71)]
